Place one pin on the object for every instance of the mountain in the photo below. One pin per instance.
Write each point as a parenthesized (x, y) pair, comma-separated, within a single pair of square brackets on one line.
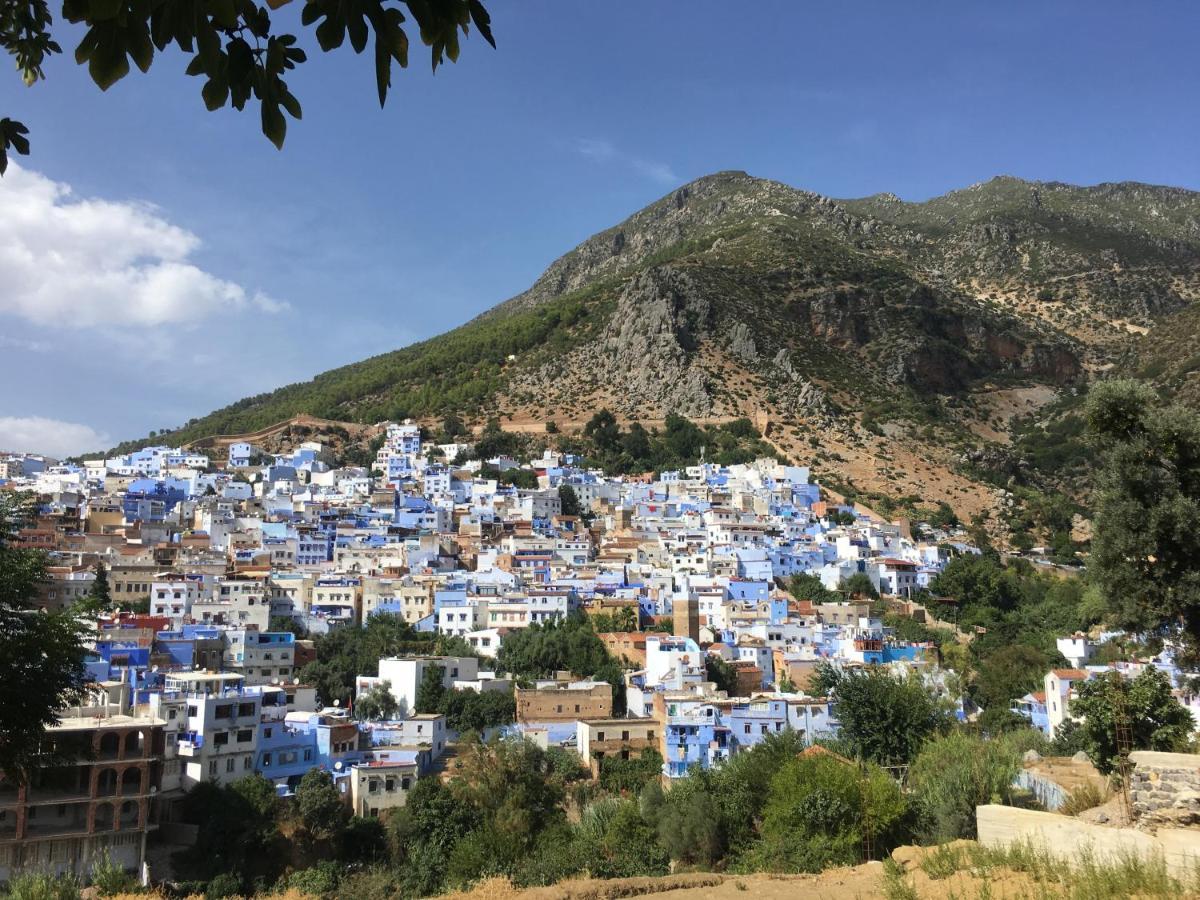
[(893, 344)]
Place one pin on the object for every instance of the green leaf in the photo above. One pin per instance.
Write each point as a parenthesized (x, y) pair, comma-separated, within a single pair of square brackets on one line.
[(224, 12), (215, 93), (108, 63), (482, 20), (291, 104), (357, 27), (208, 43), (383, 68), (12, 135), (87, 46), (274, 125), (100, 10), (141, 50)]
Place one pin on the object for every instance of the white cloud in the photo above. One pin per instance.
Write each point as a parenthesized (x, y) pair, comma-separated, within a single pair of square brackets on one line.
[(36, 434), (71, 261), (602, 151)]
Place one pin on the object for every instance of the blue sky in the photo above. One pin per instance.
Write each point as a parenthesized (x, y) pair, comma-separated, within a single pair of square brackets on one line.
[(373, 228)]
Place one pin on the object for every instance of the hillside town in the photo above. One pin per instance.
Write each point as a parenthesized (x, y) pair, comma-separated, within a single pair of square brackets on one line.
[(222, 576)]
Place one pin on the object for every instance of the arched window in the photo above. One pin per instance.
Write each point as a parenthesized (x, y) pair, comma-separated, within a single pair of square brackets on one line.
[(106, 783), (134, 744), (104, 817), (129, 814), (110, 745), (131, 781)]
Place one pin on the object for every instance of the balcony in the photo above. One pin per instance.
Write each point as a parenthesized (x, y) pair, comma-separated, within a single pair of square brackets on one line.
[(190, 743)]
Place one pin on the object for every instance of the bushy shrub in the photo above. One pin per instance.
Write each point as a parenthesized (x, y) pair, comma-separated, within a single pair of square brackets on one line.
[(818, 810), (321, 880), (227, 884), (42, 886), (110, 878), (952, 775)]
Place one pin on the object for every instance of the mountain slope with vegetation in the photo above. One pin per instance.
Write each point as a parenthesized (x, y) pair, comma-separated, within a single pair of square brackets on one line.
[(900, 347)]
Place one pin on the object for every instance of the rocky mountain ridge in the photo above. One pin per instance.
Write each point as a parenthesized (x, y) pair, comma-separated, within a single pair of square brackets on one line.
[(887, 340)]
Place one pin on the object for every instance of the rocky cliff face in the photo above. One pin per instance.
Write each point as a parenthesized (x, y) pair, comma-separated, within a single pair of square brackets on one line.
[(844, 321)]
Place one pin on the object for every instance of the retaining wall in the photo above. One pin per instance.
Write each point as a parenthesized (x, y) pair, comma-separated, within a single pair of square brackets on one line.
[(1165, 787), (1067, 838)]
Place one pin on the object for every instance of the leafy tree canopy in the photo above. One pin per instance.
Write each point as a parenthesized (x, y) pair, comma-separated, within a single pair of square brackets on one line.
[(41, 654), (1157, 720), (232, 44), (1146, 549), (884, 719)]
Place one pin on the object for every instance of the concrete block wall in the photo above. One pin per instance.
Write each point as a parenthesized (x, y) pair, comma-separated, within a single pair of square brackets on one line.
[(1164, 788)]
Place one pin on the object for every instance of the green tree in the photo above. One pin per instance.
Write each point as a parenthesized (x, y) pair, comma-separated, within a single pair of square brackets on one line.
[(807, 586), (602, 429), (363, 840), (740, 786), (562, 645), (627, 848), (953, 774), (1008, 674), (884, 718), (430, 691), (618, 775), (100, 593), (287, 623), (320, 804), (1146, 549), (1157, 720), (425, 831), (236, 831), (233, 45), (452, 427), (721, 673), (817, 809), (689, 819), (859, 584), (569, 500), (41, 654), (377, 704), (467, 710)]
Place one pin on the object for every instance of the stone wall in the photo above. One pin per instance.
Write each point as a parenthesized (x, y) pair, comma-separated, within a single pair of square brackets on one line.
[(1164, 788)]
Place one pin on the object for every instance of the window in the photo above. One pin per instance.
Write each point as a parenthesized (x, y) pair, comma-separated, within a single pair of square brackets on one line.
[(247, 763), (747, 727), (221, 738), (266, 760), (229, 764), (212, 767), (245, 735)]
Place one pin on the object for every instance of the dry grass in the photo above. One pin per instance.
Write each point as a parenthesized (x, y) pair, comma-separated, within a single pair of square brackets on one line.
[(588, 888)]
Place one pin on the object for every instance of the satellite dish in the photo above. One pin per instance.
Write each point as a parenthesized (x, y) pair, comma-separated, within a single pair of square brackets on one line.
[(338, 765)]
